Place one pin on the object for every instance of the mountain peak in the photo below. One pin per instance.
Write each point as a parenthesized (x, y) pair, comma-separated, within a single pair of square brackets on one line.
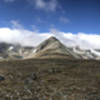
[(51, 47), (52, 38), (50, 42)]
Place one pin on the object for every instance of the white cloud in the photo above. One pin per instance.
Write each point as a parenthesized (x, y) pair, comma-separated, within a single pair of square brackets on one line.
[(33, 38), (21, 36), (64, 20), (35, 29), (85, 41), (16, 24), (40, 3), (50, 5), (9, 0)]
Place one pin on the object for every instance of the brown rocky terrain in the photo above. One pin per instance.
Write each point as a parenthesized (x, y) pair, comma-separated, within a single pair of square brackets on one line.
[(50, 79)]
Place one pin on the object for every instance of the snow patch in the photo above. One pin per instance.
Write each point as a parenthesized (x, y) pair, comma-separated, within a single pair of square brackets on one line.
[(95, 52)]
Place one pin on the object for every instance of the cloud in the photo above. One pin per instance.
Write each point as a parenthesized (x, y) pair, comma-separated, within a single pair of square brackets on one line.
[(39, 20), (50, 5), (16, 24), (64, 20), (34, 27), (33, 38), (83, 40), (40, 3), (9, 1), (21, 36)]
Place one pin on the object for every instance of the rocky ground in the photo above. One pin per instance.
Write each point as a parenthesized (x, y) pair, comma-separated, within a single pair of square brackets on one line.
[(50, 79)]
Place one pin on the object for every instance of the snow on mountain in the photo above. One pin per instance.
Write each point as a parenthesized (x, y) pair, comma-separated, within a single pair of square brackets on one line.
[(49, 48)]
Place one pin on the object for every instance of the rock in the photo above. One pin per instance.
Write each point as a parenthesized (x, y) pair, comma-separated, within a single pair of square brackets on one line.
[(54, 70), (33, 76), (2, 78)]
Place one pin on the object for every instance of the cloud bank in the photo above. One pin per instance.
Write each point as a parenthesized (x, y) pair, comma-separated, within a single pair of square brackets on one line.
[(30, 38), (21, 36)]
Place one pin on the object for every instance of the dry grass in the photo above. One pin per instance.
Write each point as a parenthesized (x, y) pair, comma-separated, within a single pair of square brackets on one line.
[(56, 79)]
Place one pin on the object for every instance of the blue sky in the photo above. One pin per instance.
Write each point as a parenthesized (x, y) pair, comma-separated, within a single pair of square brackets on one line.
[(29, 22), (42, 15)]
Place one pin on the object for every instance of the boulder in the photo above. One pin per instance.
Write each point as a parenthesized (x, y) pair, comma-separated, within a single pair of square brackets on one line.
[(2, 78)]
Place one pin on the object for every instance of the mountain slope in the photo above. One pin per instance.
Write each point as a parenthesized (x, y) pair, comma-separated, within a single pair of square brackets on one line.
[(12, 52), (52, 47), (50, 79)]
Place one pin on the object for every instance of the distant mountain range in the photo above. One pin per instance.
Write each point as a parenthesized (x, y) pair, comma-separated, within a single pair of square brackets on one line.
[(50, 48)]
